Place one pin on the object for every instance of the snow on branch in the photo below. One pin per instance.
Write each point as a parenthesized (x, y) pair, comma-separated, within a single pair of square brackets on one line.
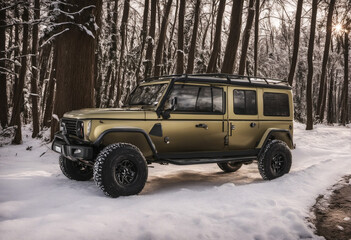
[(53, 36)]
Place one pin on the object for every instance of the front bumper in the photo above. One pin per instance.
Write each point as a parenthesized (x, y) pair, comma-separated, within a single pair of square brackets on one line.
[(71, 151)]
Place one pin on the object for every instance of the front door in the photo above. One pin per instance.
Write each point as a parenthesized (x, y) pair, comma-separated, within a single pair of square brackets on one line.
[(198, 121), (242, 118)]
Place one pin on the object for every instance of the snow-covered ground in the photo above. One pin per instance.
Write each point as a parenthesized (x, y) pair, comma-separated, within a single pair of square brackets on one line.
[(178, 202)]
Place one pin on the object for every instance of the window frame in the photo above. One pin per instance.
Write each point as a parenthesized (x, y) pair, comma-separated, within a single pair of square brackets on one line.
[(256, 102), (198, 112)]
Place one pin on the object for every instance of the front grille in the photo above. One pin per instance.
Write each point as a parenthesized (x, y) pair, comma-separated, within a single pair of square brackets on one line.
[(71, 126)]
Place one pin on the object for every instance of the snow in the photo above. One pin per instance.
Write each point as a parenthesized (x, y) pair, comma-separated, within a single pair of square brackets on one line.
[(178, 202)]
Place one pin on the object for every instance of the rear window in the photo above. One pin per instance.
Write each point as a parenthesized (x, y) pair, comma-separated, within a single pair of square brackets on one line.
[(276, 104), (245, 102)]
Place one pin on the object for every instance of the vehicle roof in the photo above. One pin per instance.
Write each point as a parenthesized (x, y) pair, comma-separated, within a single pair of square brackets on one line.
[(219, 78)]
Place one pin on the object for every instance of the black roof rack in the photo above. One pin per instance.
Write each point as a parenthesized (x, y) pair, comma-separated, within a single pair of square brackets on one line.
[(226, 79)]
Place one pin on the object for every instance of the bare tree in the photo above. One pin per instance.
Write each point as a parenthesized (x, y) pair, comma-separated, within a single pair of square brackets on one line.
[(233, 38), (217, 39), (344, 96), (151, 39), (309, 125), (3, 80), (296, 42), (34, 77), (246, 37), (143, 35), (123, 32), (161, 40), (18, 96), (180, 50), (191, 57), (257, 20), (323, 83)]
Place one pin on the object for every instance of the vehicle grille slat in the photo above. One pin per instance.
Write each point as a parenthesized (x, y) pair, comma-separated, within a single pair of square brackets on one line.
[(71, 126)]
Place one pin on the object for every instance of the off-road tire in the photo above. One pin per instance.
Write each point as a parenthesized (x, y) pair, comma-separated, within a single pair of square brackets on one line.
[(75, 170), (229, 166), (120, 169), (275, 161)]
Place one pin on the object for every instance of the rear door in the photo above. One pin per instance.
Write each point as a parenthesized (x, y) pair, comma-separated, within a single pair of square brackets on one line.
[(242, 118)]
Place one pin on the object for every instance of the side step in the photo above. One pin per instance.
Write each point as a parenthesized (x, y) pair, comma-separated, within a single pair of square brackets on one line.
[(210, 160)]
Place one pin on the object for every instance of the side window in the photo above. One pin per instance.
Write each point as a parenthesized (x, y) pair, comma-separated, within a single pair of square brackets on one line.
[(245, 102), (186, 97), (276, 104), (198, 99), (217, 94)]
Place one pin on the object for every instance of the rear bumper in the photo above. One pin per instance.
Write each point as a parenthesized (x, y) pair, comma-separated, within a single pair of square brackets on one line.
[(71, 151)]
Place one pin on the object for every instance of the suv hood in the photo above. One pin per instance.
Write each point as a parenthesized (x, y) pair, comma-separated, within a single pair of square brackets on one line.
[(103, 113)]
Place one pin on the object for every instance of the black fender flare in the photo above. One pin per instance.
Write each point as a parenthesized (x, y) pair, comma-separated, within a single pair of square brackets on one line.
[(271, 132), (97, 142)]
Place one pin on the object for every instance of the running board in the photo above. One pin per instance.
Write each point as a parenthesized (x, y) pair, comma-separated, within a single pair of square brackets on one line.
[(246, 159)]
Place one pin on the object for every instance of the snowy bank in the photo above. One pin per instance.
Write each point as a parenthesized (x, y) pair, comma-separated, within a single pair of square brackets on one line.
[(178, 202)]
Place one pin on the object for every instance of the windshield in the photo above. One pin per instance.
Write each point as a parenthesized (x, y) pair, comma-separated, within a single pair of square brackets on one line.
[(147, 94)]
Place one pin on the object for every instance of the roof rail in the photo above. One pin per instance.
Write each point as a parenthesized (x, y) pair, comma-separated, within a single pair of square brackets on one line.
[(230, 78)]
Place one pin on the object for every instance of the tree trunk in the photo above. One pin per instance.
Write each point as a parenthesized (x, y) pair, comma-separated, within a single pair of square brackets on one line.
[(323, 82), (191, 57), (18, 101), (344, 106), (309, 125), (161, 40), (330, 111), (51, 90), (143, 35), (296, 42), (123, 31), (170, 56), (257, 20), (3, 81), (211, 68), (233, 38), (75, 61), (180, 50), (246, 37), (150, 39), (34, 86), (113, 55)]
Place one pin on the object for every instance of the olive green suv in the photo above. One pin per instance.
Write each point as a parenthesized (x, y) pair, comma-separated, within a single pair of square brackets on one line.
[(180, 119)]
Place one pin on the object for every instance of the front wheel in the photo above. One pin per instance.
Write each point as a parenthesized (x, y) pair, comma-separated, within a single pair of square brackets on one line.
[(75, 170), (120, 170), (229, 166), (275, 160)]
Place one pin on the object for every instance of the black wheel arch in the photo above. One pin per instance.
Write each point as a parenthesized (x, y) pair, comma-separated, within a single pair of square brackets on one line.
[(151, 145)]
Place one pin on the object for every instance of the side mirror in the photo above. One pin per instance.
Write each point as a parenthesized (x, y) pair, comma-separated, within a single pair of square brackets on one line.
[(171, 106)]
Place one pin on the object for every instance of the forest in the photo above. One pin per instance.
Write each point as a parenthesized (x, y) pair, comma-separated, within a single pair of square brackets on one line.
[(60, 55)]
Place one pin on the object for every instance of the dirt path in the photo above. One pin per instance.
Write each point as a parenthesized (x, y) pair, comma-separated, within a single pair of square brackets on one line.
[(333, 212)]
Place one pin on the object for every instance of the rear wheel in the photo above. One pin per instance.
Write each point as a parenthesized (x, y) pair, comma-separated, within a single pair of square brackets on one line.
[(229, 166), (120, 170), (75, 170), (275, 160)]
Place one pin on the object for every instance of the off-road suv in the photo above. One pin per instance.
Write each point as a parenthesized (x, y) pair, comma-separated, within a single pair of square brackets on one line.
[(180, 119)]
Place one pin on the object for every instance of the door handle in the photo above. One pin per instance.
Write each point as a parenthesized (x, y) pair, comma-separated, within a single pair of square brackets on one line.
[(202, 125), (252, 124)]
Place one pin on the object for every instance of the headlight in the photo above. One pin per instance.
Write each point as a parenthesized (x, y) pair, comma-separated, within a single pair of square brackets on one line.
[(88, 128), (80, 129)]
